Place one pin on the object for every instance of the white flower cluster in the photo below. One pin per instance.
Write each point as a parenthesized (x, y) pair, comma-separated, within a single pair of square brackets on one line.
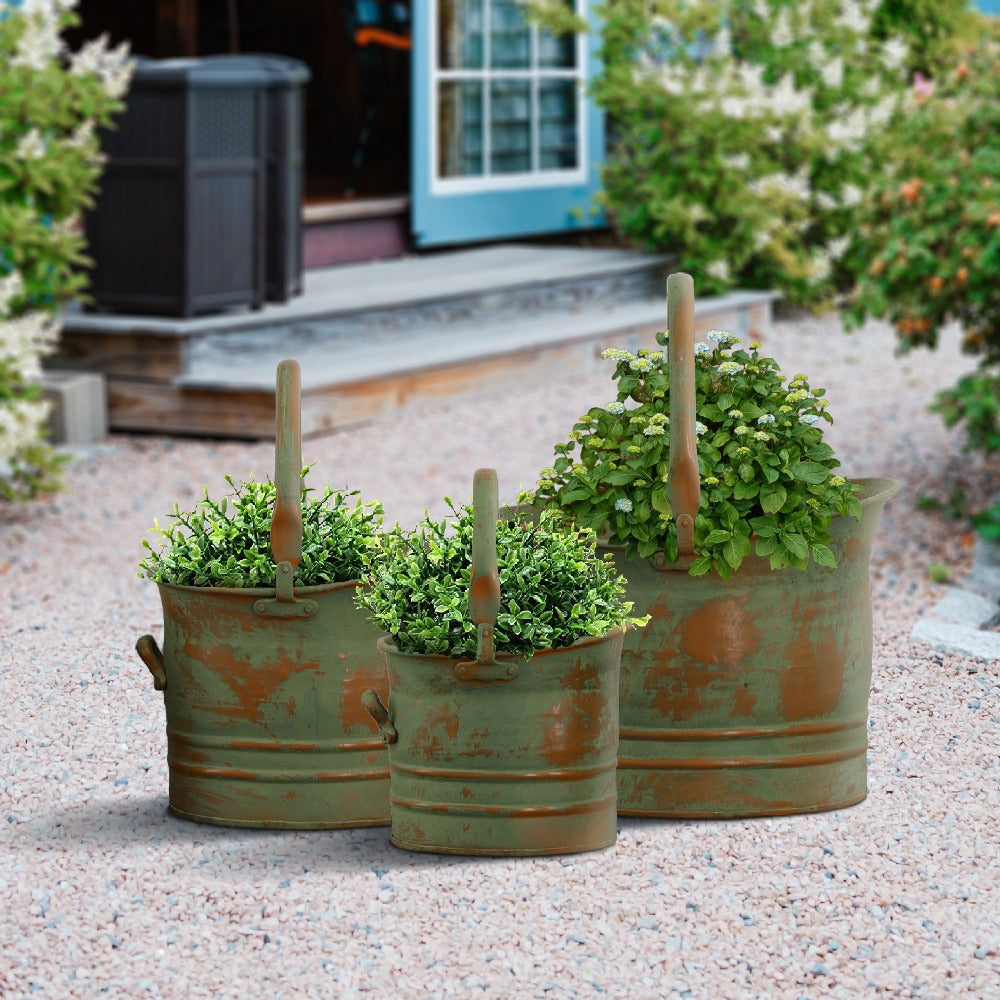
[(40, 44), (20, 422), (24, 339), (111, 66)]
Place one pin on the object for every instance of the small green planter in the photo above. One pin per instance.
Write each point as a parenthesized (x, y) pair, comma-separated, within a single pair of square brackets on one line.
[(262, 687), (501, 754)]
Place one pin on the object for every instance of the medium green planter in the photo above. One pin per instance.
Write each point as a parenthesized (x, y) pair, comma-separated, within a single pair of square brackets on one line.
[(749, 697), (262, 687)]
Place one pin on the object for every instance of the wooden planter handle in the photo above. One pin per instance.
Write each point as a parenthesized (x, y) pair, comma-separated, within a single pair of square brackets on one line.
[(684, 483)]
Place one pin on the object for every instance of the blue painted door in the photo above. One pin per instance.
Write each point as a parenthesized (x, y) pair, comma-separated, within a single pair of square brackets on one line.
[(505, 140)]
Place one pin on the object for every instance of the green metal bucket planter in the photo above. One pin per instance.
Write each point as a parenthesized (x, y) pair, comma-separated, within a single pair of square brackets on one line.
[(745, 697), (262, 688), (501, 755)]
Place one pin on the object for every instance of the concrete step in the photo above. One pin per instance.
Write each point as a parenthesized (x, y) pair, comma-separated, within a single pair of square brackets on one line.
[(372, 337)]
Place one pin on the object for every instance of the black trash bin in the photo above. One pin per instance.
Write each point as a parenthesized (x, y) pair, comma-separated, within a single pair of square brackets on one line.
[(178, 227), (284, 141)]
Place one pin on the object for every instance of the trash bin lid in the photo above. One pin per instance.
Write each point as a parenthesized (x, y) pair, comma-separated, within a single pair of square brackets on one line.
[(196, 73), (283, 70)]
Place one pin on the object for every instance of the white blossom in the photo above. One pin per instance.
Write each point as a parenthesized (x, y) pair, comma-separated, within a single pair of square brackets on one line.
[(894, 52), (854, 17), (836, 247), (23, 341), (11, 285), (833, 73), (20, 425), (39, 42), (718, 269), (31, 145), (850, 195), (781, 31)]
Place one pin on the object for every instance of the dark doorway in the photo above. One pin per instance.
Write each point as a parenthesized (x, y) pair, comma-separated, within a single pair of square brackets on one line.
[(357, 102)]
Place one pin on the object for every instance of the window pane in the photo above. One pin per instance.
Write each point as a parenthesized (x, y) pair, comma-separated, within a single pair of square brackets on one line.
[(460, 129), (557, 138), (460, 34), (510, 126), (510, 36), (557, 52)]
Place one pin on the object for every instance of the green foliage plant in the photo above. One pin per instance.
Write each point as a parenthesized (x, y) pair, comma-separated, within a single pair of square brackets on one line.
[(767, 476), (227, 542), (742, 133), (936, 31), (927, 252), (554, 587), (51, 101)]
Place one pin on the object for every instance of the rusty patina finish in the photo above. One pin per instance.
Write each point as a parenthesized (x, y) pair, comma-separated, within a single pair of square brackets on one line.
[(262, 687), (516, 766), (264, 721), (749, 697), (501, 755)]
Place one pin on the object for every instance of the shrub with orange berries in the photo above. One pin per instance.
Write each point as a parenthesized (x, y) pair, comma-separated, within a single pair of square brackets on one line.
[(927, 253)]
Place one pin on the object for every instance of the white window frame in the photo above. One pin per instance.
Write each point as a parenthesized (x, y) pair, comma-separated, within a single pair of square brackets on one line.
[(536, 177)]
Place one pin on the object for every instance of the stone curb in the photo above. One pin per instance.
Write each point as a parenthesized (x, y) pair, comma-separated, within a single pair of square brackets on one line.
[(958, 622)]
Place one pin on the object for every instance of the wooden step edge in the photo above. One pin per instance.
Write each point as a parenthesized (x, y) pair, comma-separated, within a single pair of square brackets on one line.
[(247, 412)]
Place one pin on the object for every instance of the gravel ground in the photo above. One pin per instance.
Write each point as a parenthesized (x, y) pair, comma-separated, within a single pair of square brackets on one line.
[(104, 893)]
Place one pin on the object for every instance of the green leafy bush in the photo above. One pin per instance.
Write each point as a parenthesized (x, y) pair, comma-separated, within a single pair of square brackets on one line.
[(975, 401), (928, 249), (554, 588), (765, 469), (936, 30), (742, 132), (50, 102), (223, 543)]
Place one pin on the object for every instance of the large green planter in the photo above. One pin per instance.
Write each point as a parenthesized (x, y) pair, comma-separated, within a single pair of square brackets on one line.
[(749, 696), (262, 687)]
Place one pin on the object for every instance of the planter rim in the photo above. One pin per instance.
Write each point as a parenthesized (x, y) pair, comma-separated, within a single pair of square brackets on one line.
[(385, 645), (255, 592)]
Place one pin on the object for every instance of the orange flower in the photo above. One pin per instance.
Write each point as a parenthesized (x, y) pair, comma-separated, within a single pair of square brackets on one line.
[(962, 71), (877, 267), (993, 219), (962, 275), (911, 189), (936, 284)]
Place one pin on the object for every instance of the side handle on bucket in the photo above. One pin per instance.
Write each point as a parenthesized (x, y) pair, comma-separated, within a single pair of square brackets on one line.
[(286, 522), (684, 484), (484, 585), (150, 654), (373, 706)]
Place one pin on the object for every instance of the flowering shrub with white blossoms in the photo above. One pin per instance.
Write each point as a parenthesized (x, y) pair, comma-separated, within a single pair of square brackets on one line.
[(51, 101), (767, 476), (741, 131)]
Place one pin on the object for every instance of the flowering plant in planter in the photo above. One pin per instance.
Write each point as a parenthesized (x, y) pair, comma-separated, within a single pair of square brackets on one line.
[(228, 544), (554, 588), (768, 480)]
